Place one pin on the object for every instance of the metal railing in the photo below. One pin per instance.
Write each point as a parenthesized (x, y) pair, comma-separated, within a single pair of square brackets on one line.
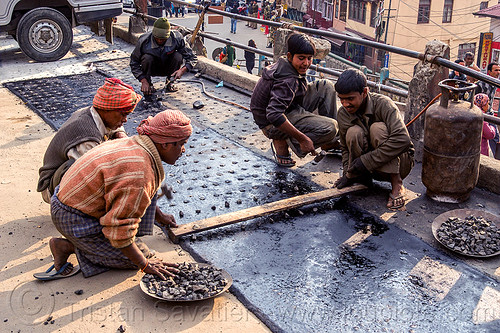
[(378, 86), (389, 48)]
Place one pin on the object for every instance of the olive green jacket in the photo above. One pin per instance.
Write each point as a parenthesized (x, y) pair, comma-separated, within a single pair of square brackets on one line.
[(378, 108)]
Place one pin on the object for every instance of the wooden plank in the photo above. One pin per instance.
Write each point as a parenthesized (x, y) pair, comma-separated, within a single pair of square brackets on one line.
[(258, 211), (108, 24)]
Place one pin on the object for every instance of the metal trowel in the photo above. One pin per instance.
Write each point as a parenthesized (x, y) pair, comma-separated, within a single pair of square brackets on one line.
[(166, 190)]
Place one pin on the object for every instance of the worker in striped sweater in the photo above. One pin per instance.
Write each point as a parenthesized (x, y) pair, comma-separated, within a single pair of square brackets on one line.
[(108, 197)]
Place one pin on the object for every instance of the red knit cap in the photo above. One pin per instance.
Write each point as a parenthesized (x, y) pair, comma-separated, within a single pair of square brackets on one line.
[(167, 126), (115, 95)]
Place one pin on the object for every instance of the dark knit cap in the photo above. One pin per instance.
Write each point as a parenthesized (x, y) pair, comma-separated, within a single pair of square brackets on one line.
[(161, 28)]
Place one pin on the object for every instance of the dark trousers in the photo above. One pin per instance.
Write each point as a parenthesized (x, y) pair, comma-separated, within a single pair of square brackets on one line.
[(164, 66), (250, 66)]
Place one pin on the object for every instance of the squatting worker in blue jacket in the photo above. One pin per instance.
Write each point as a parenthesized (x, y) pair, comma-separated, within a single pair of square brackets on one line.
[(283, 103), (161, 52)]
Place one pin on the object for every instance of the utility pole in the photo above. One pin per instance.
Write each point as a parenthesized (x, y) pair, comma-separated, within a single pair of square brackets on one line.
[(386, 59), (387, 23)]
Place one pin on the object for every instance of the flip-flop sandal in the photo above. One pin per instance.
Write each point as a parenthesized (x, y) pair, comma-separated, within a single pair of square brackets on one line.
[(400, 197), (170, 87), (52, 274), (277, 158)]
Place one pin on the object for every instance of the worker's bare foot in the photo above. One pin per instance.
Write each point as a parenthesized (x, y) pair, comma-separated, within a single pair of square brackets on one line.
[(61, 250), (281, 154), (397, 198)]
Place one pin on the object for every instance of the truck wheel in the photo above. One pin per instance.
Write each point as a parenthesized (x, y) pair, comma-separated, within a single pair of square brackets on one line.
[(216, 52), (44, 34)]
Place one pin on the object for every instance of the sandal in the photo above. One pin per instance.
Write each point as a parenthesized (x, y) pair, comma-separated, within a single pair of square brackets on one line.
[(170, 87), (52, 274), (396, 202), (284, 161)]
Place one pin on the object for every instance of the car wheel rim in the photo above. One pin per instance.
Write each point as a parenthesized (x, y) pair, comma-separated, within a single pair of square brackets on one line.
[(45, 36)]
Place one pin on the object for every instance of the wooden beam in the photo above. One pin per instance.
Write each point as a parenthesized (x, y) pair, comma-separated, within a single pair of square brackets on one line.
[(258, 211), (108, 24)]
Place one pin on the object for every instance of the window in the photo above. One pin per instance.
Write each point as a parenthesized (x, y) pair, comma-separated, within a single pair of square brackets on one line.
[(447, 10), (464, 48), (373, 14), (328, 9), (424, 9), (357, 10), (337, 9), (343, 10), (483, 5), (495, 57), (316, 5)]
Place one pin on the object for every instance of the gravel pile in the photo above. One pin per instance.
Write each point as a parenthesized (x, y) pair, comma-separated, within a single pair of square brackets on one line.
[(472, 236), (193, 282)]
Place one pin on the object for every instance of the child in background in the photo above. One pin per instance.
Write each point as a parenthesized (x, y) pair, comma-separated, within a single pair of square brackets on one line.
[(482, 102)]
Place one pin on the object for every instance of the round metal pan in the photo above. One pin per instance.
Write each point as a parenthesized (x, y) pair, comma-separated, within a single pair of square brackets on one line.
[(225, 275), (462, 214)]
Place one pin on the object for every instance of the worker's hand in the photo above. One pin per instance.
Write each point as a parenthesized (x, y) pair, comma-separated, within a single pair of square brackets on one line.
[(357, 167), (179, 73), (307, 146), (343, 181), (165, 219), (160, 268), (145, 87)]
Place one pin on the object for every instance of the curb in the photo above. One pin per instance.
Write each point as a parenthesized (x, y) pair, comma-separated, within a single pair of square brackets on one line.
[(489, 170)]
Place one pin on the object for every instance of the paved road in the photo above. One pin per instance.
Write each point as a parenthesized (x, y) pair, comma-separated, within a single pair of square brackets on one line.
[(394, 262), (243, 33)]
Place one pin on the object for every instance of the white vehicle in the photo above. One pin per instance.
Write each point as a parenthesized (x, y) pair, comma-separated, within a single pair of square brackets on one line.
[(128, 3), (43, 29)]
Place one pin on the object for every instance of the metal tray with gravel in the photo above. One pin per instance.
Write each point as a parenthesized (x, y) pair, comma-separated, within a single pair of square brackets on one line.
[(470, 232), (194, 282)]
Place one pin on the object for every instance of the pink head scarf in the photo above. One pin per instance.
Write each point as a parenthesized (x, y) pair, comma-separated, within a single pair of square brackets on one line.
[(481, 100), (166, 127)]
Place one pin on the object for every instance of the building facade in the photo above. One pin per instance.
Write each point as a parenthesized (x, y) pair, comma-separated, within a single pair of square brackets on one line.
[(408, 24)]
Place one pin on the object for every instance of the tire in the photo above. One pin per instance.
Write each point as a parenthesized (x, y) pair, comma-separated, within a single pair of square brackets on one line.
[(44, 34), (216, 52)]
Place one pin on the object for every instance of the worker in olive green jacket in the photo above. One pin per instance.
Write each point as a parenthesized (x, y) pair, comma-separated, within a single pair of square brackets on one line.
[(374, 140)]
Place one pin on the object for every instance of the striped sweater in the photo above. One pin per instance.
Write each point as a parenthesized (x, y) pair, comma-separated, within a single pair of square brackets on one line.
[(114, 183)]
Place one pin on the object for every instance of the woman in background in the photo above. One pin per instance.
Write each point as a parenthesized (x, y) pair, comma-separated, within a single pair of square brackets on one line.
[(250, 57)]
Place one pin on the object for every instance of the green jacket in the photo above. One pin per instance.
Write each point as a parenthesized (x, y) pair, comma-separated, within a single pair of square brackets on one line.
[(379, 108), (231, 55)]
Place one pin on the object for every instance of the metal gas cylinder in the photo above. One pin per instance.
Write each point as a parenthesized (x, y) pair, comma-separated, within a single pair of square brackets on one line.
[(452, 139)]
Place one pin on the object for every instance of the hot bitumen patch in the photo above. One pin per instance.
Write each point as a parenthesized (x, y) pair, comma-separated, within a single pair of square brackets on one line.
[(321, 267)]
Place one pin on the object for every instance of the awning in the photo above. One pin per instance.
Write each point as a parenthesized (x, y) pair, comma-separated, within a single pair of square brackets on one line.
[(358, 34), (493, 11), (335, 41)]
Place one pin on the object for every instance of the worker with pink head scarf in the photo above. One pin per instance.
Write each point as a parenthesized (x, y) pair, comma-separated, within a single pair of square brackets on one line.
[(107, 198), (482, 101)]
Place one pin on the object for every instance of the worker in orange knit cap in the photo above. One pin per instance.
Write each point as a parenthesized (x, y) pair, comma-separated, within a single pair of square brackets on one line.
[(85, 129)]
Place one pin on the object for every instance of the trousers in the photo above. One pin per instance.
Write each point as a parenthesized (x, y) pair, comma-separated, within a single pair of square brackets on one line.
[(358, 144), (316, 117), (164, 66)]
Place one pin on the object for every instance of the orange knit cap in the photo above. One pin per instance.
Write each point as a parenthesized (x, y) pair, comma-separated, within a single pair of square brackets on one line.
[(166, 127), (115, 95)]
